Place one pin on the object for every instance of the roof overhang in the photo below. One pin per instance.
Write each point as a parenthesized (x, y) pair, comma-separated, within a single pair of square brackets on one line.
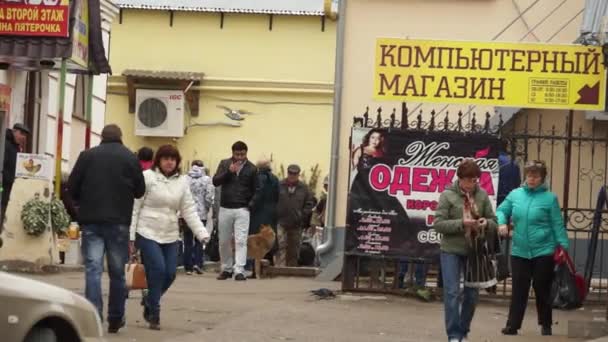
[(179, 80), (280, 7)]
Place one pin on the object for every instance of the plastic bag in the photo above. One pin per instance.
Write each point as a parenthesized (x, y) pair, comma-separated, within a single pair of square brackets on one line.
[(568, 288), (564, 292)]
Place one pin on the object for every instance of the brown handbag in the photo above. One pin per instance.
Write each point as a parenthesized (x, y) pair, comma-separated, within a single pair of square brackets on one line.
[(135, 275)]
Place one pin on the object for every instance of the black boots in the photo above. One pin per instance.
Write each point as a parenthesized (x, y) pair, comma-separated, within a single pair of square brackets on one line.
[(224, 275), (154, 323), (509, 331), (114, 326), (545, 331)]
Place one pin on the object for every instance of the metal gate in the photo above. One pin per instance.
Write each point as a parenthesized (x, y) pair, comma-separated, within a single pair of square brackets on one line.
[(574, 148)]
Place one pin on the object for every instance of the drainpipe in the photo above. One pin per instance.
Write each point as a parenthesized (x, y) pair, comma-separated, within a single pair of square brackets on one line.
[(335, 133)]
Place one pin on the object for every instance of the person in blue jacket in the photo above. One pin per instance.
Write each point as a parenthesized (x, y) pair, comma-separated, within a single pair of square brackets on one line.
[(538, 230)]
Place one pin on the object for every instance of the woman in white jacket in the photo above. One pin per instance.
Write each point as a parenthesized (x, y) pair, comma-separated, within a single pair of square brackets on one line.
[(155, 226)]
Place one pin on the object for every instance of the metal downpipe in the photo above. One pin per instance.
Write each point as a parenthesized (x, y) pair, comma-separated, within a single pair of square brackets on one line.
[(335, 134)]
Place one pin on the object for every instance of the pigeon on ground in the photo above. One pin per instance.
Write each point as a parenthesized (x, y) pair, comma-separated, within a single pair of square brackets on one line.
[(323, 293)]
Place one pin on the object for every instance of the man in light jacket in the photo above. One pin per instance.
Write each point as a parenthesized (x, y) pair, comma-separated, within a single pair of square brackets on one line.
[(104, 182)]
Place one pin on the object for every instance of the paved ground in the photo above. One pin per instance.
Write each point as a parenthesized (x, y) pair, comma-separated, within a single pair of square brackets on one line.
[(200, 308)]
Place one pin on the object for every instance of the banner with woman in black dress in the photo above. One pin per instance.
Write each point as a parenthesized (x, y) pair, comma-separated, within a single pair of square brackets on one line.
[(396, 179)]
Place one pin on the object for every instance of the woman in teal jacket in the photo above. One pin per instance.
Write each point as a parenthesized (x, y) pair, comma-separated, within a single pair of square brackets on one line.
[(538, 230)]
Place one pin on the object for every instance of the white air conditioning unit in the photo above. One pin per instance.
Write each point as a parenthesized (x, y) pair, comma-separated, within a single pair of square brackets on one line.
[(160, 113)]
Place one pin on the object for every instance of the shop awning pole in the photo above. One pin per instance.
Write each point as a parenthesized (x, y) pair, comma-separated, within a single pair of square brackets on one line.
[(60, 105), (89, 113)]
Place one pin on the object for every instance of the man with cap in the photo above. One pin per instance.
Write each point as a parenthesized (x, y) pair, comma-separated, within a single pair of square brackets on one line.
[(16, 139), (295, 206)]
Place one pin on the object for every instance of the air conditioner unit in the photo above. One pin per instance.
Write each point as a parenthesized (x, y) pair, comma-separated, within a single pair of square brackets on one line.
[(160, 113)]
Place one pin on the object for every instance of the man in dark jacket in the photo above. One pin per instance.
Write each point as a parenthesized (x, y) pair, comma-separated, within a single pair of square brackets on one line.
[(295, 206), (15, 141), (238, 178), (104, 182)]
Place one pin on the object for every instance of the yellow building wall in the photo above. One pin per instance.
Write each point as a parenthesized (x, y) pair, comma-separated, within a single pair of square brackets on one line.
[(288, 133), (368, 20), (284, 76)]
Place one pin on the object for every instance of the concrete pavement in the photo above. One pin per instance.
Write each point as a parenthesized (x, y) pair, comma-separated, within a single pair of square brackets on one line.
[(200, 308)]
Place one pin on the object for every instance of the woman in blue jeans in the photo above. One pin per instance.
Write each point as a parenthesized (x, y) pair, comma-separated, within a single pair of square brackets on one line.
[(466, 220), (155, 226)]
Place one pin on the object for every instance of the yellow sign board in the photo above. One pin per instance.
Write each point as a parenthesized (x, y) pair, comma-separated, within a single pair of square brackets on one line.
[(495, 74), (80, 37)]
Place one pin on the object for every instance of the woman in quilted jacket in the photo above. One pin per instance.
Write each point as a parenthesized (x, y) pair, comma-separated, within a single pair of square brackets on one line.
[(155, 226), (538, 231)]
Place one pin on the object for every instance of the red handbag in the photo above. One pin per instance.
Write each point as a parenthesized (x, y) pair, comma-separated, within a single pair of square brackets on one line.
[(561, 256)]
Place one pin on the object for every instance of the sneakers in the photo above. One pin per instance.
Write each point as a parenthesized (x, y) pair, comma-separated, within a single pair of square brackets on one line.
[(509, 331), (114, 326), (224, 275), (188, 272), (198, 270), (240, 277), (546, 331)]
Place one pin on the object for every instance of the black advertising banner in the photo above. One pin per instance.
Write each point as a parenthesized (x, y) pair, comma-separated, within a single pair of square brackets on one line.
[(396, 180)]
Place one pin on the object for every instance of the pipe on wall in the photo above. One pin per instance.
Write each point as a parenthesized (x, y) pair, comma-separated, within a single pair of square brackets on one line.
[(327, 245)]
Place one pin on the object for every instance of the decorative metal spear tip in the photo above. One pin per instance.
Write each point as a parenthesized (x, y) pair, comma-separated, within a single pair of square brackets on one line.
[(432, 123)]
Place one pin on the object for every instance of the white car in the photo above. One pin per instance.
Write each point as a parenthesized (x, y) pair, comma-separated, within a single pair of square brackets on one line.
[(33, 311)]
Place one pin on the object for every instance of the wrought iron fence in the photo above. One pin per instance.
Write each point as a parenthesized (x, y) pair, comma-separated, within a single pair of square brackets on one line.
[(575, 150)]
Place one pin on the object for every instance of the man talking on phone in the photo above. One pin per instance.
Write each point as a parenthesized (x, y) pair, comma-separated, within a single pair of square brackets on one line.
[(237, 177)]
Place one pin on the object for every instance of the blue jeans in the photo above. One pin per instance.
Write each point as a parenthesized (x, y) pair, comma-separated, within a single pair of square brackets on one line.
[(420, 272), (458, 316), (113, 240), (193, 250), (160, 262)]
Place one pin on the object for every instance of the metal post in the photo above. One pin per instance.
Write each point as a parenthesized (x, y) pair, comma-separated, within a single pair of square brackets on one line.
[(567, 167), (88, 113), (58, 151)]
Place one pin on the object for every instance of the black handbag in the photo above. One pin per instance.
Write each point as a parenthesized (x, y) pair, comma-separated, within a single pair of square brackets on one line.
[(502, 260), (213, 246)]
